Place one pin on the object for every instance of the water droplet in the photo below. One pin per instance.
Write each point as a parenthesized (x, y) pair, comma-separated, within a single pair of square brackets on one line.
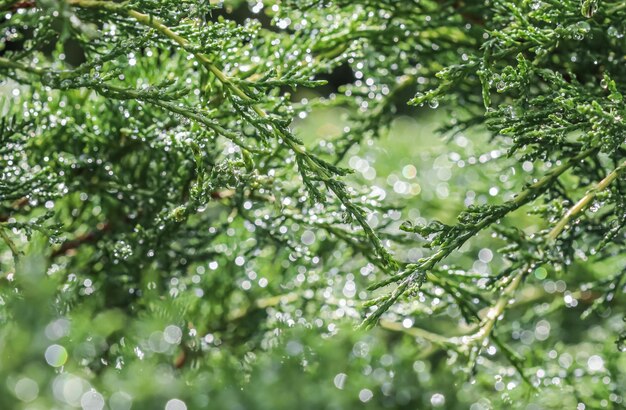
[(614, 32), (580, 29), (588, 8), (122, 250)]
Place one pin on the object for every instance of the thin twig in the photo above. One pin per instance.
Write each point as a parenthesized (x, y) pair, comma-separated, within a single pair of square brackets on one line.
[(584, 201), (494, 312), (9, 242)]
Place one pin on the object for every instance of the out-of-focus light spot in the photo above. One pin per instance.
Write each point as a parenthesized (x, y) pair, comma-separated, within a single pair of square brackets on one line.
[(565, 360), (437, 400), (92, 400), (570, 301), (294, 348), (26, 389), (542, 330), (365, 395), (485, 255), (120, 401), (172, 334), (401, 187), (56, 355), (541, 273), (57, 329), (340, 380), (175, 404), (349, 289), (69, 389), (442, 190), (308, 237), (361, 349), (157, 343), (409, 171), (595, 363), (527, 166)]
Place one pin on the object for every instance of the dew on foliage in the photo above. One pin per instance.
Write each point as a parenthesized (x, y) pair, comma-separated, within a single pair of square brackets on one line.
[(122, 250), (580, 30), (613, 31), (139, 353), (603, 83)]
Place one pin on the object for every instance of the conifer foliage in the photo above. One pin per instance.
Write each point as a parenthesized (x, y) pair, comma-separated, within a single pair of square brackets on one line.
[(168, 239)]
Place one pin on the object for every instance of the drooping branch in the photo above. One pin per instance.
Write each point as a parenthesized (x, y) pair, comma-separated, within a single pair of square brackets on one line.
[(309, 164), (529, 194)]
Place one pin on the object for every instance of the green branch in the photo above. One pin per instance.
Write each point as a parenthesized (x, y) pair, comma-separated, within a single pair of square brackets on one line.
[(324, 173), (529, 194)]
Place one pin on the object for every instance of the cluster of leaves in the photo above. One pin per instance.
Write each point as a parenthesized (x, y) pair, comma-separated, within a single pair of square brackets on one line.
[(159, 215)]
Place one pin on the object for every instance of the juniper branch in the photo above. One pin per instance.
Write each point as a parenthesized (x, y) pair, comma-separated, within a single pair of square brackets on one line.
[(310, 164), (466, 232)]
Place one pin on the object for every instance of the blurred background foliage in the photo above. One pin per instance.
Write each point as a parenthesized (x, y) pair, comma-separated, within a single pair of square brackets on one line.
[(107, 304)]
